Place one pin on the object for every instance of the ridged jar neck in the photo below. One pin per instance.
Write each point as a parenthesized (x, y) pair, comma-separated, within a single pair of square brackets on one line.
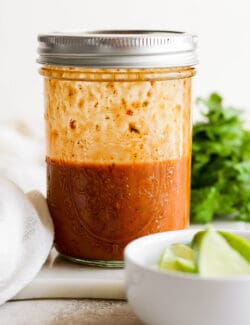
[(100, 74)]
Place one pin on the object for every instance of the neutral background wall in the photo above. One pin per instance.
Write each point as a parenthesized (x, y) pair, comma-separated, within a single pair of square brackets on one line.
[(223, 27)]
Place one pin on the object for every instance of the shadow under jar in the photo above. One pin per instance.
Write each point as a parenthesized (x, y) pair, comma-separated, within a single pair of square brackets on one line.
[(117, 111)]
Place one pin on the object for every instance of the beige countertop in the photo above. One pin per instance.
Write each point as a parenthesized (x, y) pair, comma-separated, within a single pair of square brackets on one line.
[(67, 311)]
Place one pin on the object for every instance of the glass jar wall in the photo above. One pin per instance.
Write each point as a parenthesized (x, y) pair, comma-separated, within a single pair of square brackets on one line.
[(118, 156)]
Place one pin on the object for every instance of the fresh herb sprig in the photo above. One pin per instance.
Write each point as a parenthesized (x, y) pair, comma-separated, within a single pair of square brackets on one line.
[(220, 163)]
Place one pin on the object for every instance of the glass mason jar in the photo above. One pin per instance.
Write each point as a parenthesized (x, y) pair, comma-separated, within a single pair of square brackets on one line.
[(118, 126)]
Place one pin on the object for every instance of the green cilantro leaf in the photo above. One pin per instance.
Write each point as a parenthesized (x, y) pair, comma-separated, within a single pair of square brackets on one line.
[(220, 163)]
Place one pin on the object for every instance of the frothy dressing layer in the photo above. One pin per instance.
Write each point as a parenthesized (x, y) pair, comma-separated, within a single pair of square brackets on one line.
[(117, 121)]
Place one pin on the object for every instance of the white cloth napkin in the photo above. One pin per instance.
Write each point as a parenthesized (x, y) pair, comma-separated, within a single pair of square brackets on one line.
[(26, 237), (22, 152)]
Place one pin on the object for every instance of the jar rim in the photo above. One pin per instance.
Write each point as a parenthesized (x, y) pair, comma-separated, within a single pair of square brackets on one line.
[(118, 48)]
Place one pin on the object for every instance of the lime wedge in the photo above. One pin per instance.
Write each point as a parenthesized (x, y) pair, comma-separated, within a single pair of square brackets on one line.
[(178, 257), (215, 257), (241, 245), (182, 250)]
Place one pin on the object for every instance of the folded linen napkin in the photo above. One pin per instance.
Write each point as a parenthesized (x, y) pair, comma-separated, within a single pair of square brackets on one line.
[(22, 152), (26, 237)]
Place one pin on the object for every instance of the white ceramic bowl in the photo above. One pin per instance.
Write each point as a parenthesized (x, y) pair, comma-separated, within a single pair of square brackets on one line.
[(159, 297)]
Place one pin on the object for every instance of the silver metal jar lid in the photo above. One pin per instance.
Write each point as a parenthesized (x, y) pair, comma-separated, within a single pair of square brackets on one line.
[(118, 49)]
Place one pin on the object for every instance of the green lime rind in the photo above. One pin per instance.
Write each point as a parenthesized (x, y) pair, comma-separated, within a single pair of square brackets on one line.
[(178, 257), (196, 244), (212, 253), (241, 245), (183, 251), (215, 257)]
